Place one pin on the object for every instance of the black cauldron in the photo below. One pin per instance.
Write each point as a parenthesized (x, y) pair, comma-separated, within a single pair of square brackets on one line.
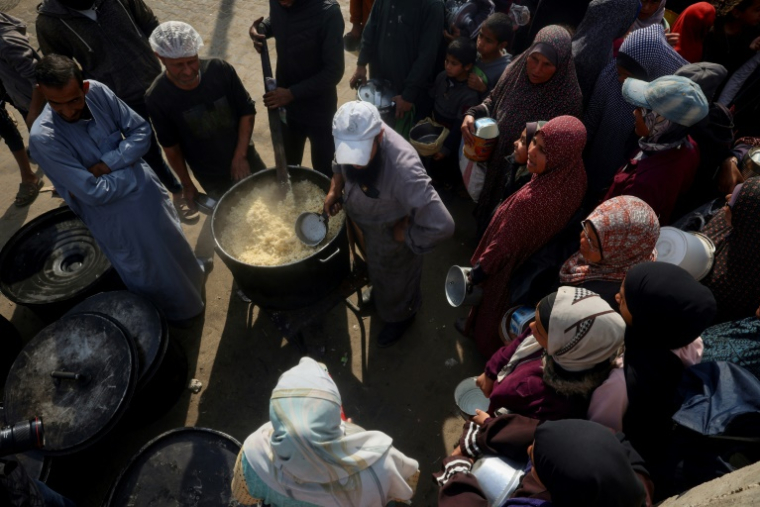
[(53, 263), (288, 286)]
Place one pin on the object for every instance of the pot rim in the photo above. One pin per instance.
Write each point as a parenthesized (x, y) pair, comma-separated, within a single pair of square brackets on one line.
[(260, 174)]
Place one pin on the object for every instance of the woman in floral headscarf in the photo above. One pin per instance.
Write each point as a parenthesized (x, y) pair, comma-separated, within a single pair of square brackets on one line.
[(527, 221), (539, 84), (617, 235)]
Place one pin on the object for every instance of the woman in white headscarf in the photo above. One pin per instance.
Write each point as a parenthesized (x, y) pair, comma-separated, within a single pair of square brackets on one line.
[(651, 13), (307, 456)]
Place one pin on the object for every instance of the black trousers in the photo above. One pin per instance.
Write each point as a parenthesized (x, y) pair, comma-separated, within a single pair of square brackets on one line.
[(154, 158), (322, 145), (9, 131)]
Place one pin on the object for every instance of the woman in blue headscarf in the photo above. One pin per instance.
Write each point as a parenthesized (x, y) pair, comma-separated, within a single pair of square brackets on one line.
[(307, 456)]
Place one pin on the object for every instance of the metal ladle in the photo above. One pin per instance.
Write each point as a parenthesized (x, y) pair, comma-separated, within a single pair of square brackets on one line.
[(311, 228)]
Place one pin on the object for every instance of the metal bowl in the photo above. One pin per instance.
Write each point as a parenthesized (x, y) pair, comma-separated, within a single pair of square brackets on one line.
[(498, 477), (469, 397)]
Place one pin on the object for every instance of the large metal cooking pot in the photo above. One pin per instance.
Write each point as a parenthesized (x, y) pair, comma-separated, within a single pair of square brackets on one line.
[(288, 286), (52, 263)]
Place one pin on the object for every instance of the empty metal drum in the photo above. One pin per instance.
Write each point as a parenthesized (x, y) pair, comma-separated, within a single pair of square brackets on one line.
[(79, 375), (53, 263), (183, 467)]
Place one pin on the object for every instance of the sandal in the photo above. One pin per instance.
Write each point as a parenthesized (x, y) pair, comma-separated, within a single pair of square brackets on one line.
[(27, 193), (186, 214)]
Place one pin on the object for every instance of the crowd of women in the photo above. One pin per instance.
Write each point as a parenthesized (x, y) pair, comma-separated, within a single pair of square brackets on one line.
[(626, 125)]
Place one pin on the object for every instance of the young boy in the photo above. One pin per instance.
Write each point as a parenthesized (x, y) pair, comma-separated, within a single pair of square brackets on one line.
[(451, 93), (494, 40)]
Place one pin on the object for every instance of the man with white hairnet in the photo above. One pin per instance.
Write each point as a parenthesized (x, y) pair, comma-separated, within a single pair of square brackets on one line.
[(202, 114), (379, 178)]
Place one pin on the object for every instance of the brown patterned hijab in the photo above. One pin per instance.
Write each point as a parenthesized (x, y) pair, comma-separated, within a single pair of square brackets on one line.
[(735, 277)]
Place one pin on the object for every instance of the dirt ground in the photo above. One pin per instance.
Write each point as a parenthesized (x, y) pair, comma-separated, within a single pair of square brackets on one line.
[(238, 354)]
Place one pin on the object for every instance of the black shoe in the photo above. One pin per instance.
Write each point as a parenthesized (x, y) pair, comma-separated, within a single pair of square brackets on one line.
[(393, 332)]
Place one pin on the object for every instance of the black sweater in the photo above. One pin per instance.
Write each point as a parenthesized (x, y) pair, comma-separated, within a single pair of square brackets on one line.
[(309, 40)]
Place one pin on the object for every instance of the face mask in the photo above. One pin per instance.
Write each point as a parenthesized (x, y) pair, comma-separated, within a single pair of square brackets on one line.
[(78, 5)]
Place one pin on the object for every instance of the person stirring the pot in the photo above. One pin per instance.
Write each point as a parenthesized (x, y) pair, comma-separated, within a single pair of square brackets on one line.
[(388, 196)]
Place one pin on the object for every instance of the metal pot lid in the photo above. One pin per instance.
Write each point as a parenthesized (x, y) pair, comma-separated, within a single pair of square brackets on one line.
[(52, 258), (186, 466), (77, 412), (142, 320)]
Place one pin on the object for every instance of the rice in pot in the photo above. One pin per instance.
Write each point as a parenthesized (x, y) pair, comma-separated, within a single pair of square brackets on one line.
[(263, 233)]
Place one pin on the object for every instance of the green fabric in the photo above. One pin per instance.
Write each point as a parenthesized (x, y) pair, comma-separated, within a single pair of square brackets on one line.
[(404, 125), (480, 74)]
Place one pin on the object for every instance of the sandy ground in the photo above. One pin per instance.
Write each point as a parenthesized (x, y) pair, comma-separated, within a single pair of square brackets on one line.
[(237, 354)]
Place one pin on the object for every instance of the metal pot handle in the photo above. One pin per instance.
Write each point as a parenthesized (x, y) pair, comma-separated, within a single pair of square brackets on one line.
[(336, 252)]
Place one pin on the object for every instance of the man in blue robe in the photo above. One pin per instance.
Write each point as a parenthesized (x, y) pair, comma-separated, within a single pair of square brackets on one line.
[(90, 144)]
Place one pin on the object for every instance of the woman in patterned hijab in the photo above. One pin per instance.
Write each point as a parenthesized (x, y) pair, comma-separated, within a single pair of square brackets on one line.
[(735, 277), (516, 100), (525, 222), (645, 55), (617, 235)]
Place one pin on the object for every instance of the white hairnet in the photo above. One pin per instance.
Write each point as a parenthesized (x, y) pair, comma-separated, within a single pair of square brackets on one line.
[(175, 39)]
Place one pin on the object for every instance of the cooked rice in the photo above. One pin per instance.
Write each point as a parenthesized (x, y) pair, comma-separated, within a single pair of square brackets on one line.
[(264, 231)]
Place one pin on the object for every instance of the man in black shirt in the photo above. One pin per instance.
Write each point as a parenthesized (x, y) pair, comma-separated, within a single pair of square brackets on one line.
[(202, 114), (309, 39)]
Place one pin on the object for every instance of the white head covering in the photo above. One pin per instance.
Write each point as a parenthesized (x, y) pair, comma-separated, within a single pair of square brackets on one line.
[(583, 330), (654, 19), (175, 39), (308, 454)]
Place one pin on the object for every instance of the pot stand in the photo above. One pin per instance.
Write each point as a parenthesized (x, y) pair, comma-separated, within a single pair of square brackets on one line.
[(291, 323)]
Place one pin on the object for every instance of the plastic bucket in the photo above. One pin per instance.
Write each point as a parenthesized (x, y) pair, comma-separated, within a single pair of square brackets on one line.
[(692, 251), (459, 292), (486, 135)]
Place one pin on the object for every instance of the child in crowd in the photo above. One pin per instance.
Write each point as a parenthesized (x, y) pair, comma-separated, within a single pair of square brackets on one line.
[(453, 97), (494, 40)]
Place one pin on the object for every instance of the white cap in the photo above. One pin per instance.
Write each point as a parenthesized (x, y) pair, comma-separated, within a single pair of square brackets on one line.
[(355, 126), (175, 39)]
